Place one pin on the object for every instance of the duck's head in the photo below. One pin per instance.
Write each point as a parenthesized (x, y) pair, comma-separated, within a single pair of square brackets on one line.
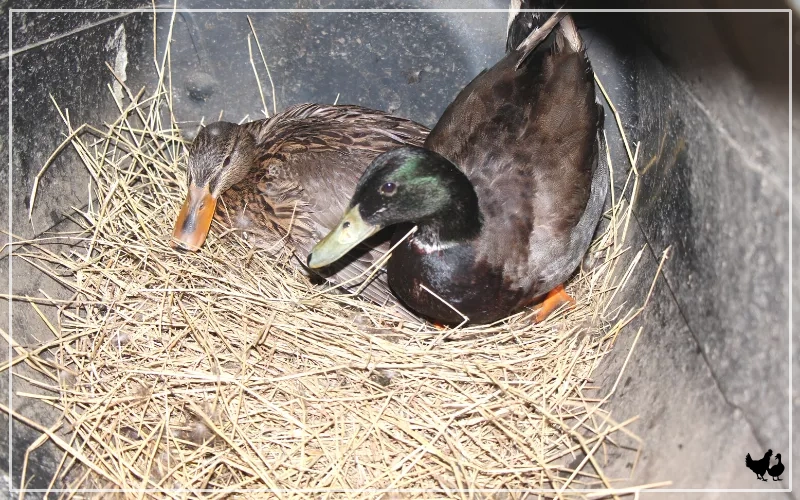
[(407, 184), (219, 157)]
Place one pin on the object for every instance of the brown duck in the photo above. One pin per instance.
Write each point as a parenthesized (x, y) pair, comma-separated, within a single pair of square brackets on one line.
[(287, 179)]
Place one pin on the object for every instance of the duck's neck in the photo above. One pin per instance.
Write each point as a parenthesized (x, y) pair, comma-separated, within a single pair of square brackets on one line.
[(458, 221)]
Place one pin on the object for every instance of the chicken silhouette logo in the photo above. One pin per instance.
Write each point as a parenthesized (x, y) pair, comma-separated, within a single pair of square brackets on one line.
[(761, 467)]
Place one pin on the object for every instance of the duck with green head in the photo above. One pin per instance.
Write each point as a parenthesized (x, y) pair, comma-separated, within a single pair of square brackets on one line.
[(506, 191)]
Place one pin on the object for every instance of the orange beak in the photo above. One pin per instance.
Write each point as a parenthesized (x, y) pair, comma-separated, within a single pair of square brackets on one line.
[(194, 219)]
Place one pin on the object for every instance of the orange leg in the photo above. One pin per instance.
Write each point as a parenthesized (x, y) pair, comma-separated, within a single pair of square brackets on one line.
[(554, 299)]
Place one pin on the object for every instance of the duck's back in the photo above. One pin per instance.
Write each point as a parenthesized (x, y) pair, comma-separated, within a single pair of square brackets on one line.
[(310, 159), (527, 140), (314, 154)]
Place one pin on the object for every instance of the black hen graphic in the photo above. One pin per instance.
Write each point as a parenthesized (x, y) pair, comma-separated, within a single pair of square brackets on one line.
[(758, 466), (776, 470)]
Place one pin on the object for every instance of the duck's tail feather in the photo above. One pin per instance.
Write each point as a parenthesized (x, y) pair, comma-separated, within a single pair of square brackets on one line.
[(533, 40), (747, 460), (521, 24)]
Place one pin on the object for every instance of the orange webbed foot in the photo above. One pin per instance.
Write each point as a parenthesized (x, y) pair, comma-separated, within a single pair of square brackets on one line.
[(554, 299)]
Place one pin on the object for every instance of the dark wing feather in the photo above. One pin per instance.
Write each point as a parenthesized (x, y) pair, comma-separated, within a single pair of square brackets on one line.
[(530, 158)]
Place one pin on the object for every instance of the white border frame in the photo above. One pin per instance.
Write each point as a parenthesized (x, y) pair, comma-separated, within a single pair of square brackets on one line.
[(10, 54)]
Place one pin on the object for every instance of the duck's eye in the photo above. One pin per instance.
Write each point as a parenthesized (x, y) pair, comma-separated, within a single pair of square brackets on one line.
[(388, 189)]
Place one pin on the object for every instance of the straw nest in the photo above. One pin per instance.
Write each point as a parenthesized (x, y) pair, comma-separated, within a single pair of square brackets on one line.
[(226, 370)]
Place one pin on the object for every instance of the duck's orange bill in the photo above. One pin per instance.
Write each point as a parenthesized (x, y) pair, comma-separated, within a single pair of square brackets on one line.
[(194, 219)]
